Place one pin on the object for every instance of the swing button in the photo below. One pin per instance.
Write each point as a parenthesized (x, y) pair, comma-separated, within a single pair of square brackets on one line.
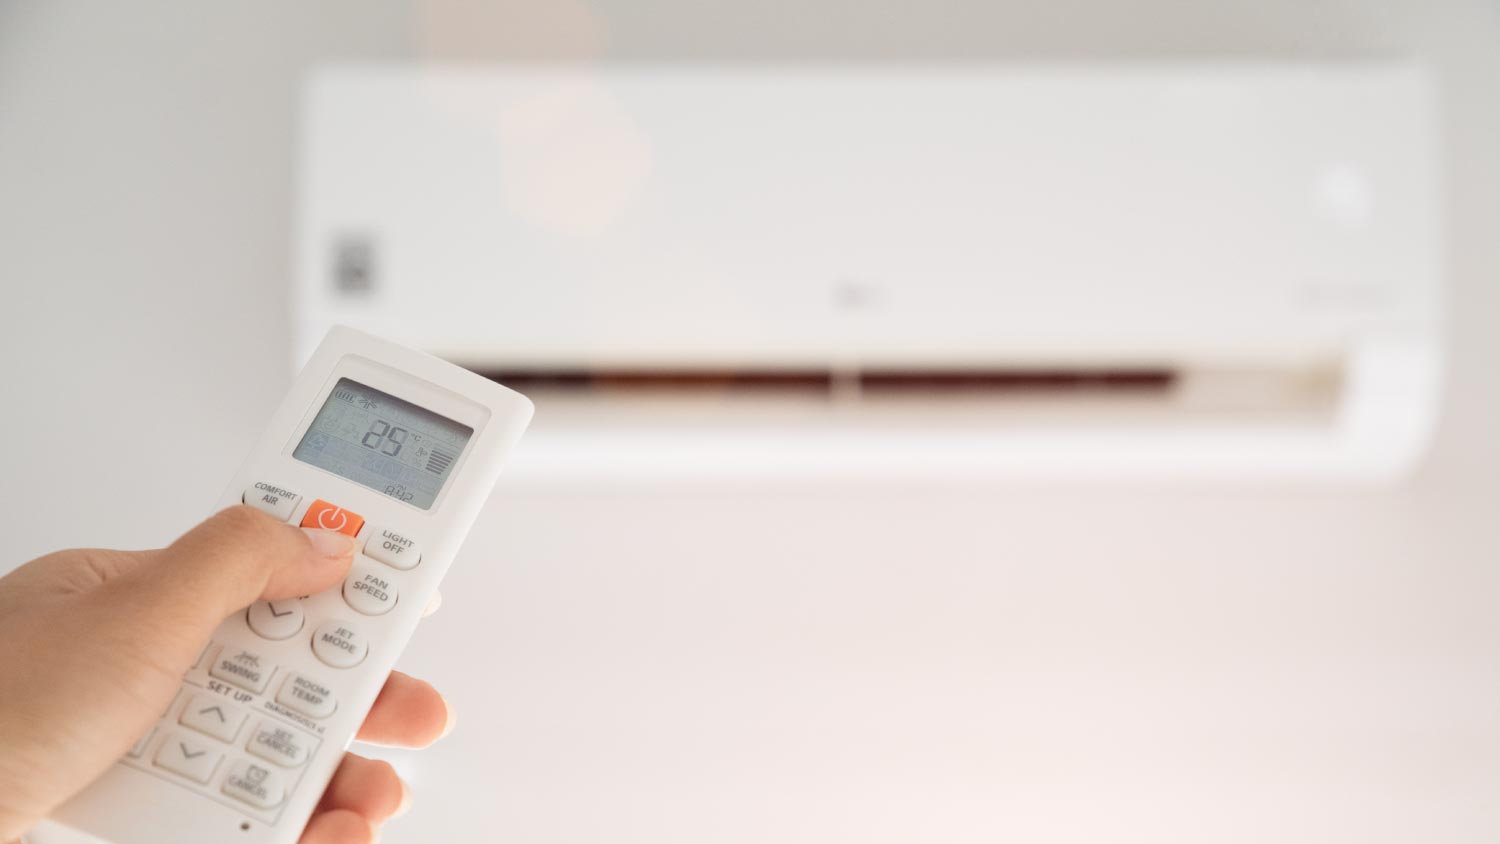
[(321, 514)]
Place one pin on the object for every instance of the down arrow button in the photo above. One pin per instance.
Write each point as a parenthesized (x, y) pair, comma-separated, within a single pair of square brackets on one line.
[(275, 620)]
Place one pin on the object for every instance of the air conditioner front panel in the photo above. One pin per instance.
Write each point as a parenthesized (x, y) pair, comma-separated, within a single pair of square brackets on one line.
[(657, 216), (1224, 270)]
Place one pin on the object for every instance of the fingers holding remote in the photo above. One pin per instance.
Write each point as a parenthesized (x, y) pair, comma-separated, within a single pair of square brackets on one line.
[(340, 826), (240, 555), (408, 713), (368, 788)]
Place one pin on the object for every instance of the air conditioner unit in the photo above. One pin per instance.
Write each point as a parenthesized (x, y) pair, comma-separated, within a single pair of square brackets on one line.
[(1203, 270)]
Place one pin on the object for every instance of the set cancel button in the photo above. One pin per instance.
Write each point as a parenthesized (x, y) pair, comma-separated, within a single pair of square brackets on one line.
[(273, 742), (338, 645)]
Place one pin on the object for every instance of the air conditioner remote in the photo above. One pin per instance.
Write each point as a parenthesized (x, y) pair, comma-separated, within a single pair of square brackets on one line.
[(394, 447)]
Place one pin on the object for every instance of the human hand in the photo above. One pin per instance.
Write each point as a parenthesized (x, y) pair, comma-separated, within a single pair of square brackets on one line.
[(96, 643)]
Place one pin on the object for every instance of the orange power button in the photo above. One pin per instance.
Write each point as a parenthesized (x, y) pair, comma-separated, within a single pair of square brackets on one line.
[(331, 517)]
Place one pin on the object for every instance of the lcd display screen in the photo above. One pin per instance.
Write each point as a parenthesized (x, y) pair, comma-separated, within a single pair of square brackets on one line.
[(387, 444)]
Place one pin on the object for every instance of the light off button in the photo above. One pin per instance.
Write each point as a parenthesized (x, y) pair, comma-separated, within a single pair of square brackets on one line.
[(393, 549), (255, 784), (246, 669), (272, 499), (338, 645), (308, 696), (368, 590)]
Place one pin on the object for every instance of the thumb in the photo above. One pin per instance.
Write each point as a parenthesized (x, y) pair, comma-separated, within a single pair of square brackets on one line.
[(241, 555)]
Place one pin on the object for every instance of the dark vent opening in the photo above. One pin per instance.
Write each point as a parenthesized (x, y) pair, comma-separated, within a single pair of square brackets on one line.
[(1009, 380)]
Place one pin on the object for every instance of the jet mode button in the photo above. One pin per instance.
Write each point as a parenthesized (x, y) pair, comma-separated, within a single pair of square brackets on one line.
[(338, 645)]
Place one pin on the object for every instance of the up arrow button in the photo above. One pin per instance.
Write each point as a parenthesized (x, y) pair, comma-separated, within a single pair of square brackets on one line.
[(209, 715)]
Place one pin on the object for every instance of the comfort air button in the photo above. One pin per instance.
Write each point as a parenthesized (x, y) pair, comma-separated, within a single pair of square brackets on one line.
[(321, 514), (272, 499)]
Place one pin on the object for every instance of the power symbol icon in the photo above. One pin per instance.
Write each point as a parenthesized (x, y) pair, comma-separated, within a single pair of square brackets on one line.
[(329, 516), (332, 519)]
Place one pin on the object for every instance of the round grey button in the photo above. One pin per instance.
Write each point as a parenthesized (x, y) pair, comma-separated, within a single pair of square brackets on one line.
[(338, 645), (275, 619), (368, 590)]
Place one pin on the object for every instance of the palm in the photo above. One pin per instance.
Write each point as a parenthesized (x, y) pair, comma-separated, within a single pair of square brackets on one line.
[(79, 615)]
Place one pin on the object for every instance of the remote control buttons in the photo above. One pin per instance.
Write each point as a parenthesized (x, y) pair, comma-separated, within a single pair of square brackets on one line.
[(393, 549), (189, 756), (275, 619), (338, 645), (272, 499), (369, 591), (246, 669), (209, 714), (139, 747), (255, 784), (285, 747), (321, 514), (307, 696)]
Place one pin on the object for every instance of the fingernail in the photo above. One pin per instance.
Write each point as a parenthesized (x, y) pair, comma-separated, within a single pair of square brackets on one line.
[(432, 604), (405, 800), (448, 719), (330, 543)]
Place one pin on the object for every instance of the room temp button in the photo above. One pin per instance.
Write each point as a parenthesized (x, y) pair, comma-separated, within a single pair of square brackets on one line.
[(306, 695)]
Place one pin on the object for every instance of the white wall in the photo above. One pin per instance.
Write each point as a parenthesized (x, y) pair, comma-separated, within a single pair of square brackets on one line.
[(663, 665)]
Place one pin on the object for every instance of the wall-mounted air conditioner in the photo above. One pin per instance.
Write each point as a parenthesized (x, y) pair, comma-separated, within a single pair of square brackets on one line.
[(707, 271)]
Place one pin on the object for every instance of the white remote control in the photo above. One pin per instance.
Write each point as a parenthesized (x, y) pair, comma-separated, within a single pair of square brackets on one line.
[(394, 447)]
